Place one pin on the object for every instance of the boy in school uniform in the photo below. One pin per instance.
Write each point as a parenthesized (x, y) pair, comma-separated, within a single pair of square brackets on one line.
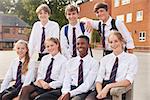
[(71, 31), (41, 30), (80, 73), (105, 24)]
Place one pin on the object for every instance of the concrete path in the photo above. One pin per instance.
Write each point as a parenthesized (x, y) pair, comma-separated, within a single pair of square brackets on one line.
[(141, 84)]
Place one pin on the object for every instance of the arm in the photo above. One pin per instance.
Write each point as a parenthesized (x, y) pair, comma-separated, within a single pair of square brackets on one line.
[(8, 78), (32, 42), (126, 34), (64, 44), (88, 82)]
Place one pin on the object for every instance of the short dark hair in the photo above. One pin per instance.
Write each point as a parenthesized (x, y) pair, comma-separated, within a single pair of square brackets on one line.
[(100, 5), (84, 37)]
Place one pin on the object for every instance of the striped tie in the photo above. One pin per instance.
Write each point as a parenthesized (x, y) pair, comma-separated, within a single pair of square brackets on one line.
[(42, 40), (74, 43), (114, 71), (80, 73), (103, 36), (18, 77), (48, 73)]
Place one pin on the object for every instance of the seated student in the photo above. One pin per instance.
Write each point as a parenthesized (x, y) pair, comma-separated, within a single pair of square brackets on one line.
[(117, 69), (80, 73), (20, 71), (50, 72)]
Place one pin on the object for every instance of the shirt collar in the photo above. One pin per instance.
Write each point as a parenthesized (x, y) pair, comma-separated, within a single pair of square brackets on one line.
[(22, 60), (108, 22), (56, 56), (74, 25), (120, 55), (84, 58), (46, 25)]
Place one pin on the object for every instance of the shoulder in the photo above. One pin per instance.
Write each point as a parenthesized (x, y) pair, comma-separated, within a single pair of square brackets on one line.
[(106, 57), (53, 23), (130, 56), (62, 57), (37, 23)]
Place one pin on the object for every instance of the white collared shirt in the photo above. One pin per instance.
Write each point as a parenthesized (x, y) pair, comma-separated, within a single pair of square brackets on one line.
[(127, 67), (11, 74), (90, 69), (121, 28), (67, 50), (58, 69), (51, 30)]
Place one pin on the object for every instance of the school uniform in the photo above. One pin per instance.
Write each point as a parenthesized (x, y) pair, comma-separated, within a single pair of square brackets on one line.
[(57, 73), (67, 49), (70, 84), (11, 75), (121, 28), (51, 29), (127, 68)]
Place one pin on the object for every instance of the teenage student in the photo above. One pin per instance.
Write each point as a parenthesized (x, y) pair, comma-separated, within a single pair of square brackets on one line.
[(41, 30), (117, 69), (105, 24), (71, 31), (21, 71), (50, 72), (80, 73)]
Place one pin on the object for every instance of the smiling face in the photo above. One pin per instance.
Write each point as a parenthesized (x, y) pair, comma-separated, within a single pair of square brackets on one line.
[(52, 47), (72, 16), (21, 50), (102, 14), (43, 16), (116, 43), (82, 46)]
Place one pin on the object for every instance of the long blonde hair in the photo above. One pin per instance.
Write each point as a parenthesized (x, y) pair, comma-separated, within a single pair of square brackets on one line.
[(27, 58)]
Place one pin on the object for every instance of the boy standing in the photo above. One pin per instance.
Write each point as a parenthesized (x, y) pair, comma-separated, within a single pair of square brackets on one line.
[(71, 31), (41, 30)]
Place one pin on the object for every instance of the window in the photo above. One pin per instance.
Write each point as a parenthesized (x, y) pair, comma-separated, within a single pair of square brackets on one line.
[(142, 36), (120, 17), (139, 15), (124, 2), (129, 18), (116, 3), (21, 30), (6, 30)]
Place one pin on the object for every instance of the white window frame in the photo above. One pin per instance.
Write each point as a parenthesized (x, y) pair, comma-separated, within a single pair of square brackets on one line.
[(129, 18), (116, 3), (139, 15), (142, 36), (120, 17), (124, 2)]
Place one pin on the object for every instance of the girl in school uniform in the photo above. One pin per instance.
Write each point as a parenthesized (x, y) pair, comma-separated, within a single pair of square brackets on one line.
[(21, 71), (50, 72), (117, 69)]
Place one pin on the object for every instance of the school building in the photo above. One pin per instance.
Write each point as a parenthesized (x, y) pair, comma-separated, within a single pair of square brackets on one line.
[(12, 29), (134, 13)]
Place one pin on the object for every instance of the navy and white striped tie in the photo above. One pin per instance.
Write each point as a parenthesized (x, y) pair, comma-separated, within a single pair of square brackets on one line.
[(42, 40), (80, 73), (18, 77)]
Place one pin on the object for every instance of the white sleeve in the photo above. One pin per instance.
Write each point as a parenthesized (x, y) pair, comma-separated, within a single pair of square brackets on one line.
[(125, 33), (64, 44), (101, 72), (31, 74), (58, 83), (55, 32), (41, 73), (133, 66), (32, 41), (88, 82), (8, 78)]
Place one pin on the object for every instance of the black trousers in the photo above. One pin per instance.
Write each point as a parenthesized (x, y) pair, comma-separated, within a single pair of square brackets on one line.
[(9, 93)]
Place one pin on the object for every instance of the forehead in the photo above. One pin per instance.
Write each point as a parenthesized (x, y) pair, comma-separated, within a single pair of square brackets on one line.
[(101, 10), (113, 37), (72, 12), (81, 40)]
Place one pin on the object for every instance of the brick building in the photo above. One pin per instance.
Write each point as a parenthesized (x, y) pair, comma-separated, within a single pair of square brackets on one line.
[(134, 13), (12, 29)]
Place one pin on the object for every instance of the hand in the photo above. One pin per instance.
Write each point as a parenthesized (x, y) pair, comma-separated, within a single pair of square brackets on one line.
[(88, 27), (44, 85), (37, 83), (65, 97), (104, 92)]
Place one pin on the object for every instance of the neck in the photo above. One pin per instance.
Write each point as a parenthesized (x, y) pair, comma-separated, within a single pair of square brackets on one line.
[(73, 23), (44, 22), (55, 53), (83, 55), (106, 19), (117, 52)]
